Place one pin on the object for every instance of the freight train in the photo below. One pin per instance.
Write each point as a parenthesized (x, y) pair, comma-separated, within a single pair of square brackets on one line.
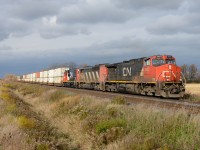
[(157, 75)]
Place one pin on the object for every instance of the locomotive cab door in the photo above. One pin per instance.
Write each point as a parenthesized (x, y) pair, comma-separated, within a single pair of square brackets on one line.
[(149, 71)]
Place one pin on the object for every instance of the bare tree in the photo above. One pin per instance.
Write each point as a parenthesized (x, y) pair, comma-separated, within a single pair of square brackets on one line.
[(83, 66), (193, 72), (70, 65), (184, 69), (198, 77), (10, 77)]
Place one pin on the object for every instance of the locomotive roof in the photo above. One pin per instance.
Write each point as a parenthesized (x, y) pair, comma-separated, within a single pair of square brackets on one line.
[(161, 56), (128, 61)]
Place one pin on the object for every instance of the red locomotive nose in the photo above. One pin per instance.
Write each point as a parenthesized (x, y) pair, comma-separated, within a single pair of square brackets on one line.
[(168, 73)]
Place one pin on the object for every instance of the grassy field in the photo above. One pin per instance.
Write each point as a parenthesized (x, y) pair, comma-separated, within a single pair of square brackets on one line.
[(193, 88), (194, 91), (86, 122)]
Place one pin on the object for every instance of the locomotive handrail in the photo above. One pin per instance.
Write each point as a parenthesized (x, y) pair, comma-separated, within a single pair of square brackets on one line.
[(157, 81), (184, 78), (159, 76)]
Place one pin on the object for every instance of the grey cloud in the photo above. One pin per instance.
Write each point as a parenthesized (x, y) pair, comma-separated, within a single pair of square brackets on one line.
[(193, 5), (3, 35), (118, 30), (168, 25), (112, 51), (185, 20), (5, 48), (119, 47), (59, 30), (22, 17), (94, 14), (33, 9), (127, 48), (172, 24), (14, 27), (183, 48), (5, 52), (149, 4)]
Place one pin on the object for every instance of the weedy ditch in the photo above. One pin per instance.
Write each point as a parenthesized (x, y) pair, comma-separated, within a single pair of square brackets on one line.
[(39, 130)]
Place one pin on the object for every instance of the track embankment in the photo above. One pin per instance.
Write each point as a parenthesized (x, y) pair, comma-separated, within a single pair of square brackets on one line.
[(192, 107)]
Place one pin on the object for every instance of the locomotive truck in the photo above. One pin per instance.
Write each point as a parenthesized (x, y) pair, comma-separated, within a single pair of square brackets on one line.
[(157, 75)]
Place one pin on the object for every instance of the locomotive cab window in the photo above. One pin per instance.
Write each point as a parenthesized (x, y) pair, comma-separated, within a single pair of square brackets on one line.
[(170, 61), (158, 62), (147, 62)]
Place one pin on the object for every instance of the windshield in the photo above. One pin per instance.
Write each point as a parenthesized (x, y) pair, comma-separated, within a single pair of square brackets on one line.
[(170, 61), (158, 62)]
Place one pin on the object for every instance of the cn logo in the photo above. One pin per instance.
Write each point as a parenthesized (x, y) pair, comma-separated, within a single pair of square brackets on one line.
[(126, 71)]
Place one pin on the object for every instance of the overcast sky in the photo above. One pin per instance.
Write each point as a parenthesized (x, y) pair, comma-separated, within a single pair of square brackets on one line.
[(37, 33)]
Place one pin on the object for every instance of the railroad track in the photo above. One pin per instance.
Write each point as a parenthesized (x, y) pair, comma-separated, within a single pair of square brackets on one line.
[(191, 107), (138, 99)]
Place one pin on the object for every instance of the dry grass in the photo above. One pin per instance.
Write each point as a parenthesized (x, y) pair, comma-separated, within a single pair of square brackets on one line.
[(99, 124), (193, 91), (193, 88), (11, 136), (41, 135), (25, 122), (95, 123)]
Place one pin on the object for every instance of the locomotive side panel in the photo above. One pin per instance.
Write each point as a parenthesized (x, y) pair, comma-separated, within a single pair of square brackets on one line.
[(112, 73), (90, 75), (128, 71), (103, 73), (78, 75)]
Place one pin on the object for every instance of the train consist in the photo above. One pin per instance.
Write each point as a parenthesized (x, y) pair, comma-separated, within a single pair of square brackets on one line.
[(157, 75)]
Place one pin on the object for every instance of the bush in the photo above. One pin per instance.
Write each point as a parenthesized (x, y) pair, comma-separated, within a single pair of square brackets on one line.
[(11, 108), (10, 77), (25, 122), (57, 95), (8, 96), (112, 135), (80, 110), (42, 147), (118, 100), (10, 86), (192, 97), (114, 111), (35, 90), (103, 126)]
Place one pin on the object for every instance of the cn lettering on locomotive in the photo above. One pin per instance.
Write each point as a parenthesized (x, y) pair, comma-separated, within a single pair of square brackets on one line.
[(127, 71)]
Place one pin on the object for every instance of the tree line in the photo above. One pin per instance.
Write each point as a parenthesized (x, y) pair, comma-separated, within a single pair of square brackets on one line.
[(191, 73)]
